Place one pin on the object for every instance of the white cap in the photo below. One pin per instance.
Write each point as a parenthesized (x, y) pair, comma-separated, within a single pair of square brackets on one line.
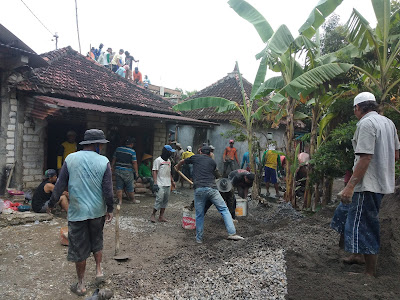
[(189, 148), (362, 97)]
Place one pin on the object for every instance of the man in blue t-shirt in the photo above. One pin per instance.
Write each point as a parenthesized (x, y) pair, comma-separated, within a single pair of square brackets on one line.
[(124, 163), (87, 174)]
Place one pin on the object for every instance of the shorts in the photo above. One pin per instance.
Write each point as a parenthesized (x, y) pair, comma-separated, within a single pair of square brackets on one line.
[(162, 197), (44, 207), (270, 175), (339, 218), (124, 179), (85, 237), (361, 233)]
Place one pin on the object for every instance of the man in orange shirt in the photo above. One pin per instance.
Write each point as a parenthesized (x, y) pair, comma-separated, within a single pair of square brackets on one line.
[(137, 76), (230, 155)]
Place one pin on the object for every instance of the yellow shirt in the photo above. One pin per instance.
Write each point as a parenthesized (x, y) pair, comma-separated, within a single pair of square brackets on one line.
[(68, 149), (272, 160), (187, 154)]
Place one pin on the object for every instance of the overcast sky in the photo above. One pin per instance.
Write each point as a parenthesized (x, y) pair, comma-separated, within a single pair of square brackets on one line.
[(188, 44)]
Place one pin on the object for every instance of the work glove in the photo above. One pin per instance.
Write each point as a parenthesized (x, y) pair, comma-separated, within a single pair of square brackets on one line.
[(155, 188)]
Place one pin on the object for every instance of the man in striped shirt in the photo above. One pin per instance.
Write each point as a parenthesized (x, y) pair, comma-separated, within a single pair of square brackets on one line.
[(124, 164)]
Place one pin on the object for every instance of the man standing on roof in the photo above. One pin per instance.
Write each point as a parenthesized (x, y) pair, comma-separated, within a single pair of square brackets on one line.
[(97, 52), (137, 76), (117, 61), (124, 163), (229, 157), (66, 148), (87, 174), (129, 59), (376, 148), (204, 174), (272, 162)]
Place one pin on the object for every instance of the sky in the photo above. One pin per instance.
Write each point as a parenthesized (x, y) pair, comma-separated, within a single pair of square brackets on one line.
[(187, 44)]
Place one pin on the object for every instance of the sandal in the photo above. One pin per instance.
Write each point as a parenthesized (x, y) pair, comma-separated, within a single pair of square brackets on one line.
[(100, 279), (74, 288)]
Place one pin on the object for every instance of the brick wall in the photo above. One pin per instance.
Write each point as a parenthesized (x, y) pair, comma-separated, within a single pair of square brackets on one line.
[(33, 143), (160, 138), (11, 130)]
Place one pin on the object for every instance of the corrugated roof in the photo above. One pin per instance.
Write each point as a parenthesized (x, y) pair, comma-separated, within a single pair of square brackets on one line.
[(228, 87), (45, 106), (76, 77)]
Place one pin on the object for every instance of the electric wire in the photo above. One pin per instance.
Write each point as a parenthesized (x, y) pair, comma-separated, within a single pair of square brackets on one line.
[(37, 18)]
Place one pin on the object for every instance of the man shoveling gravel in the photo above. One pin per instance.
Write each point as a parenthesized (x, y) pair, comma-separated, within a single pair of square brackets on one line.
[(205, 190)]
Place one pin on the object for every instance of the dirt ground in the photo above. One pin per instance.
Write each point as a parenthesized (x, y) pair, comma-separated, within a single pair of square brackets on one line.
[(166, 263)]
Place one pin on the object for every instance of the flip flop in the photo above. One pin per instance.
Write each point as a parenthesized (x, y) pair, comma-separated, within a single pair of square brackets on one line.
[(100, 279), (74, 288)]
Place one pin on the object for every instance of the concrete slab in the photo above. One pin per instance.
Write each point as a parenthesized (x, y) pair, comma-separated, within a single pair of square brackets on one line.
[(19, 218)]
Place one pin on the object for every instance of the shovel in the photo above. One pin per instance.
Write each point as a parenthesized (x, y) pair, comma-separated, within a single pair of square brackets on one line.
[(118, 257)]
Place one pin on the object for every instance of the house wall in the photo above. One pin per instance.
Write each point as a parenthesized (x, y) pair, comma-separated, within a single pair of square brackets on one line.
[(160, 138), (187, 136)]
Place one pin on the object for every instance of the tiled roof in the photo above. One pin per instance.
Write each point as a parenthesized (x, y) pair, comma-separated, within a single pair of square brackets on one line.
[(228, 88), (76, 77)]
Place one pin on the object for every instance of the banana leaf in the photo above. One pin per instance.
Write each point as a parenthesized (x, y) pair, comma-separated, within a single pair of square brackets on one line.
[(249, 13), (221, 104), (317, 16)]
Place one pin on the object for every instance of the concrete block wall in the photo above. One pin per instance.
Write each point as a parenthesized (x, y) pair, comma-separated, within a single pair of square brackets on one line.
[(11, 130), (33, 143), (160, 138), (97, 120)]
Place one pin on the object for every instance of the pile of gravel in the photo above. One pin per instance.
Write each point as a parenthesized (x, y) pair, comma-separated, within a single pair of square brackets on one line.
[(257, 275)]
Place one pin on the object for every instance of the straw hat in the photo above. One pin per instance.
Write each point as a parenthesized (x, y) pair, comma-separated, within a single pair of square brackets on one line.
[(146, 156), (224, 185)]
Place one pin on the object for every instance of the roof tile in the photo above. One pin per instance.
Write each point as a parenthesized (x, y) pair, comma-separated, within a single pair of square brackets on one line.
[(75, 76)]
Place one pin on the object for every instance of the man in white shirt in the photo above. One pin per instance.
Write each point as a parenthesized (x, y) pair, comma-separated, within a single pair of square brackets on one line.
[(162, 182), (376, 148)]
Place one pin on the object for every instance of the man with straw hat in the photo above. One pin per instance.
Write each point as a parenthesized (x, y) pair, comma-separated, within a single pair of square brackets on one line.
[(145, 170), (87, 174)]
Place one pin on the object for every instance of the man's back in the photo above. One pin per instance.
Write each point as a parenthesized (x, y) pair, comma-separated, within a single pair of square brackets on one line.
[(124, 157), (86, 171), (376, 135), (203, 170)]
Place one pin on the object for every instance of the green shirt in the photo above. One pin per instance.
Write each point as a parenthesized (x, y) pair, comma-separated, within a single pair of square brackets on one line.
[(144, 170)]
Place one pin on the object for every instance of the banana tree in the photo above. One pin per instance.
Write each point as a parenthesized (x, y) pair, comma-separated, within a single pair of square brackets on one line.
[(381, 74), (246, 108), (295, 82)]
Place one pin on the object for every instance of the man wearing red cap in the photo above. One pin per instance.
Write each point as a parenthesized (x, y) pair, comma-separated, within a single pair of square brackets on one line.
[(230, 155)]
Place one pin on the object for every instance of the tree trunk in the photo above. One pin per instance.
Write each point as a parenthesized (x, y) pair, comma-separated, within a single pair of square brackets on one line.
[(290, 153), (317, 197), (327, 191), (313, 146), (255, 189)]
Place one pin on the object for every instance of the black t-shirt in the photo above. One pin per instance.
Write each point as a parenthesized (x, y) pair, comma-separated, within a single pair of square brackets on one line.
[(40, 197), (203, 170), (237, 178)]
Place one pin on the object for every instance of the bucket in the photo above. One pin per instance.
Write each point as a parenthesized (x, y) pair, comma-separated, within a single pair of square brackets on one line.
[(188, 219), (241, 207)]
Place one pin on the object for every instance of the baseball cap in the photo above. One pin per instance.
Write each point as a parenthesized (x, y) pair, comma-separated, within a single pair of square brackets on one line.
[(231, 141), (169, 148), (189, 148), (362, 97), (50, 173)]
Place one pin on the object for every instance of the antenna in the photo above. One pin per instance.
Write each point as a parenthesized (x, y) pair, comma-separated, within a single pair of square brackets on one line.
[(56, 36)]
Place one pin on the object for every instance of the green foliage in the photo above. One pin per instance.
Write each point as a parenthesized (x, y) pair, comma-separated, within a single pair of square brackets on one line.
[(334, 36), (186, 94), (335, 156)]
